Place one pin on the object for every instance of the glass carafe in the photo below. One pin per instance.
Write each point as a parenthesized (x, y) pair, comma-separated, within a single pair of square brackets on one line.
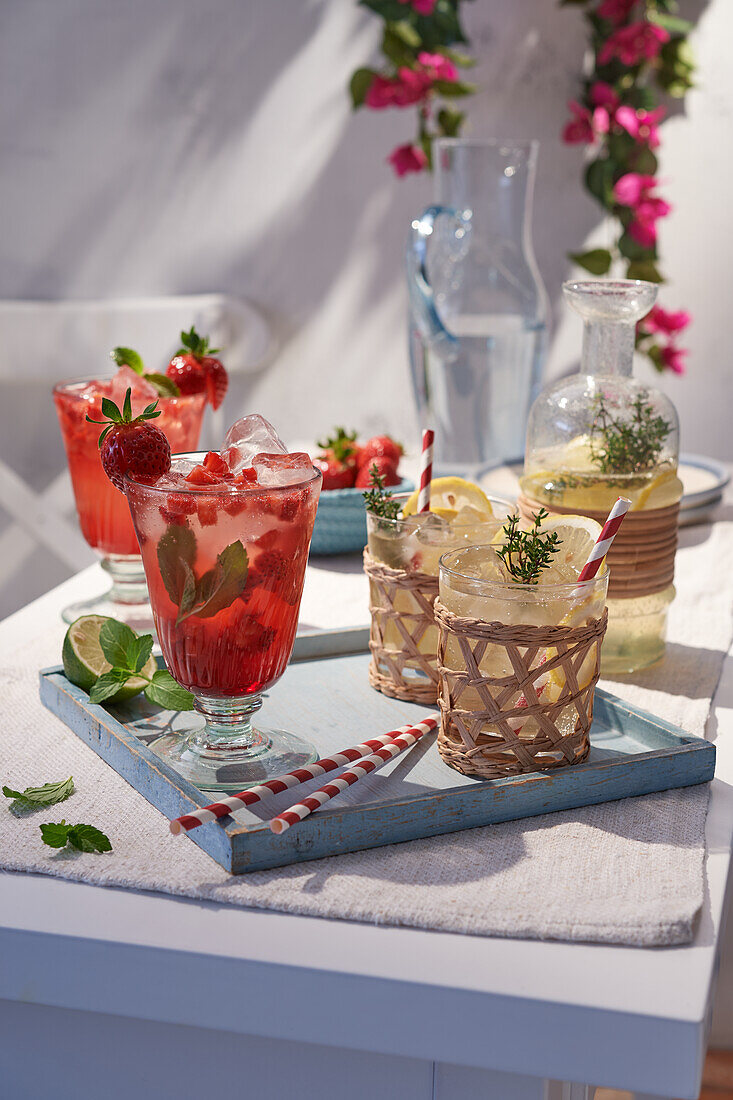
[(478, 309), (601, 434)]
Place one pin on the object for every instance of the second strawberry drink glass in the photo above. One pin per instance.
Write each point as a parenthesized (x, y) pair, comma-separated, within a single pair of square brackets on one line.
[(225, 541)]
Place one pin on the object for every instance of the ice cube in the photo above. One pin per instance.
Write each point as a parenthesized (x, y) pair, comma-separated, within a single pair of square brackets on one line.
[(276, 470), (249, 436), (143, 393), (433, 530)]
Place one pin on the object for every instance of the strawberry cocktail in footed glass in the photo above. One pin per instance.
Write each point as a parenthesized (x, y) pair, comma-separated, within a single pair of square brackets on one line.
[(225, 552), (103, 513)]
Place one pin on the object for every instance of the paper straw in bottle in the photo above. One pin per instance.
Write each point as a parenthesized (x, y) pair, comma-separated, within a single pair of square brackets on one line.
[(426, 470)]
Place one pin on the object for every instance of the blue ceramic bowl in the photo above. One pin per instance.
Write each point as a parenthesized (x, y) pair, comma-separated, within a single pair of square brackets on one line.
[(341, 520)]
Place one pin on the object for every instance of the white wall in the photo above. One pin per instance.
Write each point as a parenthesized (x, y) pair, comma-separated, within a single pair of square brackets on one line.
[(162, 146)]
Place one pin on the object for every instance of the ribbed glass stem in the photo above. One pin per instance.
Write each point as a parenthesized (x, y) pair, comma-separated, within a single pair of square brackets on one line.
[(229, 726), (128, 579)]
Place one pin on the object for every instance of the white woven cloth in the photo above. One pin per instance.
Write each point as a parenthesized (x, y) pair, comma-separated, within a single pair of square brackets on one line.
[(629, 872)]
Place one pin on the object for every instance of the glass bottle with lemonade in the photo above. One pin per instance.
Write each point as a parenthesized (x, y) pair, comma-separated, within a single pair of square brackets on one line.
[(601, 434)]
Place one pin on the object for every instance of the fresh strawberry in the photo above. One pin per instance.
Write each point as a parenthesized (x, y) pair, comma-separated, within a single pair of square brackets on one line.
[(385, 468), (215, 464), (272, 566), (195, 365), (379, 446), (131, 446), (187, 373), (336, 474)]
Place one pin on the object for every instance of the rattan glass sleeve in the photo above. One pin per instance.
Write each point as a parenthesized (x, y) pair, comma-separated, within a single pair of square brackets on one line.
[(535, 713)]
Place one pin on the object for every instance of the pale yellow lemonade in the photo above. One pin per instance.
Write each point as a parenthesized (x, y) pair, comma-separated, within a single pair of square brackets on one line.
[(475, 583), (567, 476), (461, 514)]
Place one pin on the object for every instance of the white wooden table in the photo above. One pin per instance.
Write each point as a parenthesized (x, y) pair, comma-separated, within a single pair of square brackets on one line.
[(111, 993)]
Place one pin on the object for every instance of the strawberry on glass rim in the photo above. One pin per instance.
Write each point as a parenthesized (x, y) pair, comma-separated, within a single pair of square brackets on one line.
[(131, 444), (225, 540), (195, 369)]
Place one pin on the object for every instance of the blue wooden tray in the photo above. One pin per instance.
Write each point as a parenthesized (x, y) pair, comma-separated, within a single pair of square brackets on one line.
[(325, 697)]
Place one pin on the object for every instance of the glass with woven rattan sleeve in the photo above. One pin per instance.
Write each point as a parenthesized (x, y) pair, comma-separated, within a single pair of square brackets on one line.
[(401, 561), (517, 663)]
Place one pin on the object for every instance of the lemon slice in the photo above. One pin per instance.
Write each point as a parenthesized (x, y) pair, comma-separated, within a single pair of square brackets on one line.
[(577, 536), (662, 479), (448, 495)]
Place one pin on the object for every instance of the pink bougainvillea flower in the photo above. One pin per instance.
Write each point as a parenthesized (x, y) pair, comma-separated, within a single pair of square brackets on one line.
[(673, 358), (407, 158), (411, 86), (437, 66), (584, 126), (666, 322), (641, 125), (381, 93), (422, 7), (603, 95), (636, 192), (616, 10), (634, 43), (632, 188)]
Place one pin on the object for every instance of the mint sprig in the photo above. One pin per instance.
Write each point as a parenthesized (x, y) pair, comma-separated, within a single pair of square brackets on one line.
[(128, 653), (46, 795), (209, 594), (85, 838)]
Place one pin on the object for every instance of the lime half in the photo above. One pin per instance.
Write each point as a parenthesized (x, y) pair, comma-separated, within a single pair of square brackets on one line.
[(84, 661)]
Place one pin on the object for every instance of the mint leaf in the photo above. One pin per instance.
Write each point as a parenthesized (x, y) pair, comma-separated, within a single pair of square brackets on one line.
[(46, 795), (118, 641), (165, 386), (140, 652), (85, 838), (220, 586), (165, 692), (108, 684), (55, 834), (176, 556), (128, 357)]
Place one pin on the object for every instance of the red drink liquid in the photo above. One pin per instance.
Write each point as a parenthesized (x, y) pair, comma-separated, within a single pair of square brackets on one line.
[(243, 646), (103, 513)]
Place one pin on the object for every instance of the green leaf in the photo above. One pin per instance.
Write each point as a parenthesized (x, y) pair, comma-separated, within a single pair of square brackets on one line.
[(117, 641), (395, 48), (55, 834), (644, 269), (86, 838), (645, 162), (166, 693), (599, 181), (597, 260), (389, 10), (671, 23), (453, 88), (450, 121), (108, 684), (176, 557), (164, 385), (220, 586), (359, 85), (128, 357), (140, 654), (46, 795), (110, 410), (632, 250)]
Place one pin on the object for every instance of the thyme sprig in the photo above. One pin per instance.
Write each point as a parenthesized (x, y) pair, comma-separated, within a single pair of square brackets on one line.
[(632, 446), (526, 553), (379, 501)]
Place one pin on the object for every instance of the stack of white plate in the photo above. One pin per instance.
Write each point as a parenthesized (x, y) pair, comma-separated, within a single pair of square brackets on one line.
[(704, 480)]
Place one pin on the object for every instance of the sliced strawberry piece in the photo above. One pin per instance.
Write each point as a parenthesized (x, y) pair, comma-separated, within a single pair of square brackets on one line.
[(246, 477), (173, 519), (208, 511), (252, 636), (217, 380), (199, 475), (195, 364), (271, 566), (216, 465), (181, 503)]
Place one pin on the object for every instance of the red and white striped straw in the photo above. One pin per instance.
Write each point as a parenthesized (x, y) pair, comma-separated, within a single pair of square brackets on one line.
[(314, 801), (426, 470), (282, 783), (603, 542)]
